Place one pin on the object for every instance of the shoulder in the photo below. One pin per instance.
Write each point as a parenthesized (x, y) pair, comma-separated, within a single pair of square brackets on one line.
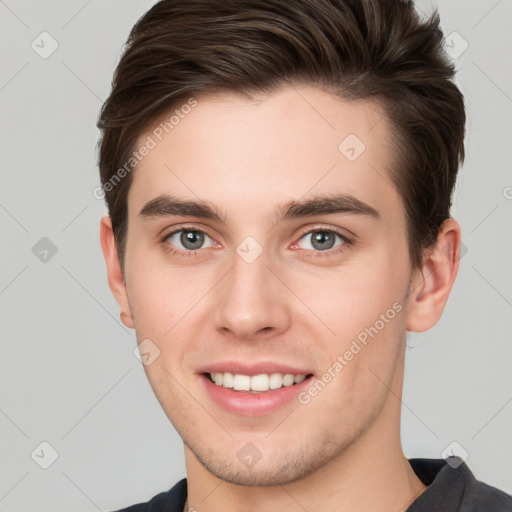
[(172, 500), (452, 487), (485, 498)]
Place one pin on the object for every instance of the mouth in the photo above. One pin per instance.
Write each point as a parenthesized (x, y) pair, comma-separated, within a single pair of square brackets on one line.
[(261, 383), (255, 395)]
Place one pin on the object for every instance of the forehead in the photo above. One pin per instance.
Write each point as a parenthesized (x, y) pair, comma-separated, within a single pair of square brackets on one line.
[(248, 155)]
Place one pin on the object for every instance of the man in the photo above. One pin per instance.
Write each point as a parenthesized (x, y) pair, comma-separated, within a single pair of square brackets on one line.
[(279, 178)]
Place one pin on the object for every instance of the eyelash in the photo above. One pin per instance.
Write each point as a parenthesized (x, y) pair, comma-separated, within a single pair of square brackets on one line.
[(347, 242)]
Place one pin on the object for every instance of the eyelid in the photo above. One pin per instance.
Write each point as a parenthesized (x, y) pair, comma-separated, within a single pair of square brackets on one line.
[(178, 226), (165, 233)]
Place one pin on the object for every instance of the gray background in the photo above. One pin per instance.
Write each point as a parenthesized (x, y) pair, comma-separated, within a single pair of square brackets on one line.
[(68, 375)]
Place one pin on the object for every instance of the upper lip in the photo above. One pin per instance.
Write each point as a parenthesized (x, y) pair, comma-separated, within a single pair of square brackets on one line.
[(244, 368)]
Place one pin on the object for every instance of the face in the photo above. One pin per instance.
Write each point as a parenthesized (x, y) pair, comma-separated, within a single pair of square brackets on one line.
[(267, 251)]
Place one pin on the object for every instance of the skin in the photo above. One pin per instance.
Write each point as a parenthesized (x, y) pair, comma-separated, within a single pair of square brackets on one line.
[(293, 304)]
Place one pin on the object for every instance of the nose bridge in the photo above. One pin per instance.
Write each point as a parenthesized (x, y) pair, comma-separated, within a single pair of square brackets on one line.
[(249, 301), (250, 279)]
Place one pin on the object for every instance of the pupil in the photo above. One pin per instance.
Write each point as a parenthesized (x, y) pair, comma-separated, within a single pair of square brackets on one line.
[(192, 239), (323, 240)]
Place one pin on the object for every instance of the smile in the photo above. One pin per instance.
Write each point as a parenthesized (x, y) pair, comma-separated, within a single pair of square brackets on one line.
[(254, 389), (255, 383)]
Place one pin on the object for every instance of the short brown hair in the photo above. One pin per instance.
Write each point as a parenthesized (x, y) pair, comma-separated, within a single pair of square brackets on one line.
[(357, 49)]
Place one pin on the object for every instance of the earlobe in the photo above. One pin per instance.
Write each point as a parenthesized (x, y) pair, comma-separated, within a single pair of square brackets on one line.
[(432, 284), (114, 272)]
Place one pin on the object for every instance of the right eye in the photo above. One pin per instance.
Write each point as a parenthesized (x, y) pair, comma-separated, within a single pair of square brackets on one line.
[(189, 239)]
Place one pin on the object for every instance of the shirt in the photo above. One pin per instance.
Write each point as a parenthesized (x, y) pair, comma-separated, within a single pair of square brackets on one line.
[(449, 489)]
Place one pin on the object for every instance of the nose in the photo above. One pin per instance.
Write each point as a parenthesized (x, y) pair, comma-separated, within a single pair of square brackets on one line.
[(251, 301)]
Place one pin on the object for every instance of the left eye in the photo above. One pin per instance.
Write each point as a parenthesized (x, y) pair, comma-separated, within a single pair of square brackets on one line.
[(190, 240), (321, 240)]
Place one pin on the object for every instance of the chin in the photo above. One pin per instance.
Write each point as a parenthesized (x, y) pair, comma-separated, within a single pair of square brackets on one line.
[(272, 469)]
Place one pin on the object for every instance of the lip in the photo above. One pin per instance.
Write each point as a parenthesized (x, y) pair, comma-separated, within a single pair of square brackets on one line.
[(253, 369), (251, 404)]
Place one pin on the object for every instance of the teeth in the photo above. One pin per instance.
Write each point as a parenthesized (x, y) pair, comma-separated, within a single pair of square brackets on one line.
[(288, 380), (276, 381), (228, 380), (262, 382), (299, 378), (259, 382), (241, 382)]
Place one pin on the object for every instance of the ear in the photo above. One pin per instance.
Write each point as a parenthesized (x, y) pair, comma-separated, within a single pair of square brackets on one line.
[(114, 272), (431, 285)]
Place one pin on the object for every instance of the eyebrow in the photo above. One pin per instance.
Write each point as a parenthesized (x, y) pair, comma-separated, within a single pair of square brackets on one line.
[(167, 205), (323, 205)]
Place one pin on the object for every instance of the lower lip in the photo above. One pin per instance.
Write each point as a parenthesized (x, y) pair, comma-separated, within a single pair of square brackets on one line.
[(253, 404)]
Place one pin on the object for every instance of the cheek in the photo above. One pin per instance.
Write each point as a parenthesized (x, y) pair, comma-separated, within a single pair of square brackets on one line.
[(151, 304), (364, 367), (160, 294), (352, 298)]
